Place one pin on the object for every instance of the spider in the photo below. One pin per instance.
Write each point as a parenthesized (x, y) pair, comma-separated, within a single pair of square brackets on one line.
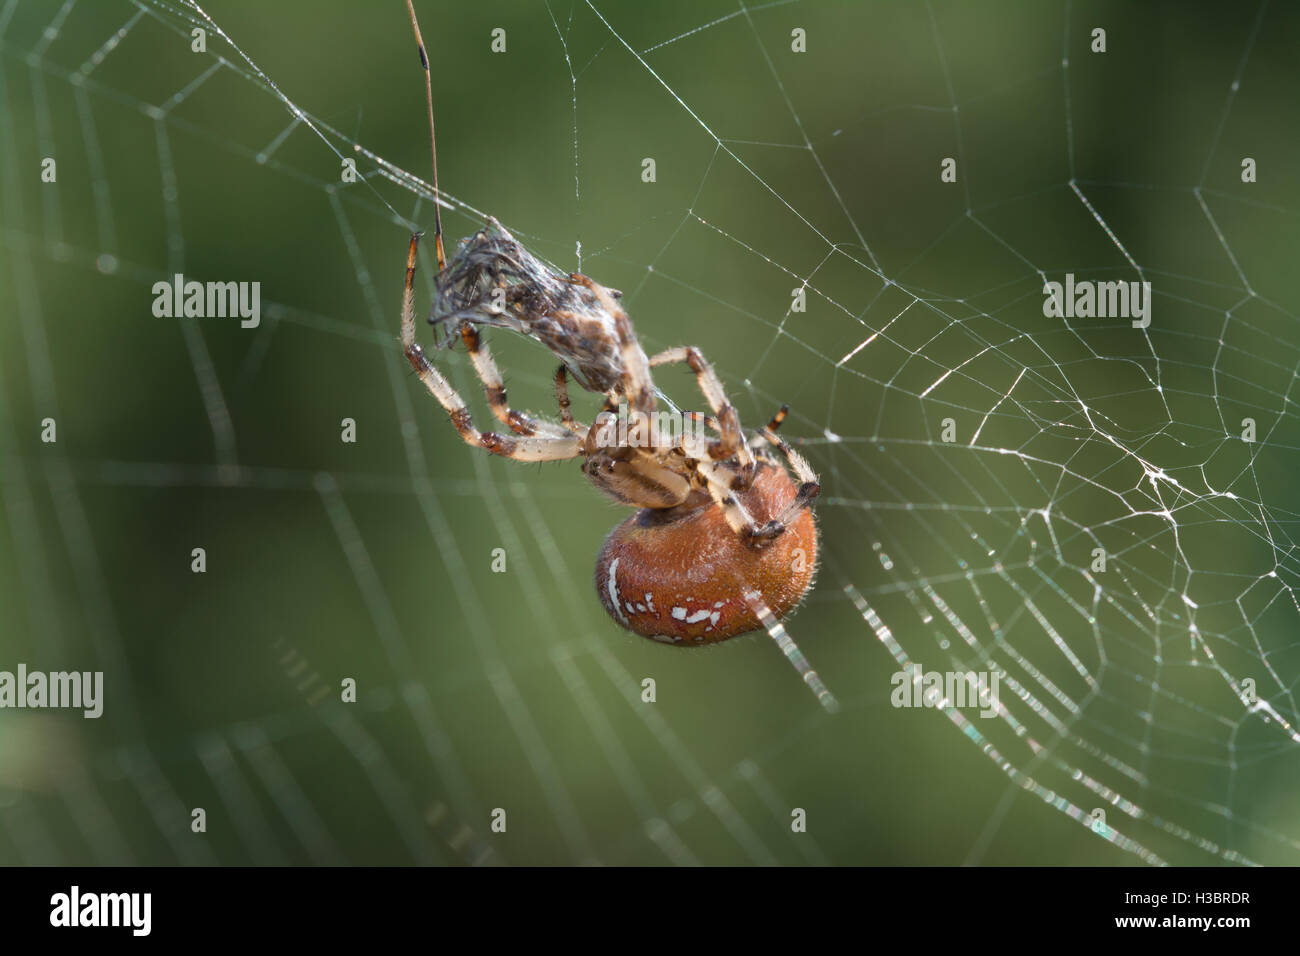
[(724, 541)]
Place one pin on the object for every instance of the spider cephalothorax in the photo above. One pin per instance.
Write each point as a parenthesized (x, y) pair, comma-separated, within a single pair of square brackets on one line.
[(724, 541)]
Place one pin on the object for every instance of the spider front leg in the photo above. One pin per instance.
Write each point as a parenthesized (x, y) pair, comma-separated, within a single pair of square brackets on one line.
[(722, 482), (809, 485), (562, 399), (486, 367), (732, 441), (777, 419), (724, 479), (527, 448)]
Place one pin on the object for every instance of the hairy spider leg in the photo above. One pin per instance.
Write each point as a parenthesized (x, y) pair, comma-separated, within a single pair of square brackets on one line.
[(562, 399), (809, 486), (540, 448), (487, 370), (732, 440), (721, 482)]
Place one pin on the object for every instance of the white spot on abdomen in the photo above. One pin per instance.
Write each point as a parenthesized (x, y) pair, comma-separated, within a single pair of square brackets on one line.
[(684, 614), (611, 585)]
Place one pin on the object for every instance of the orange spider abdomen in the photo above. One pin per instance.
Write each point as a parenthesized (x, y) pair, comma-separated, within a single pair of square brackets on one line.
[(678, 575)]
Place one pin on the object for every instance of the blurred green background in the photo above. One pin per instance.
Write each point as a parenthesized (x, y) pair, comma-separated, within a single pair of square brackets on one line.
[(372, 560)]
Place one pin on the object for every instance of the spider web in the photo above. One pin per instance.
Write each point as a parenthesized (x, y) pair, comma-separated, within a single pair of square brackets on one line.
[(1160, 690)]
